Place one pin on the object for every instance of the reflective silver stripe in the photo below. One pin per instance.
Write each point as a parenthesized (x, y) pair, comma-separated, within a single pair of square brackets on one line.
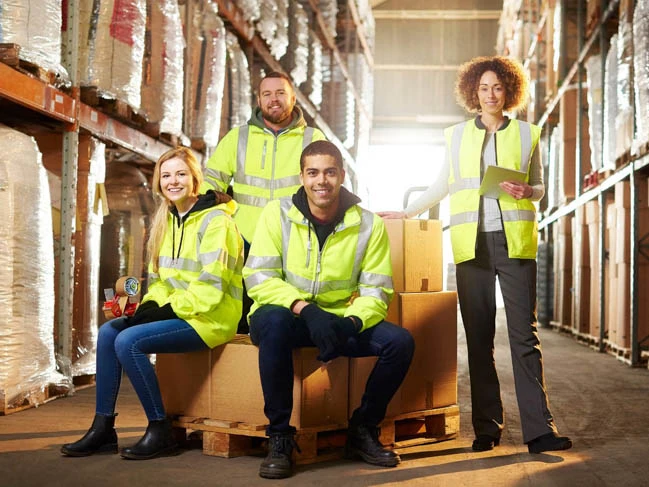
[(466, 183), (204, 224), (456, 141), (526, 144), (261, 276), (176, 284), (374, 292), (209, 278), (218, 255), (284, 207), (374, 279), (255, 262), (154, 275), (298, 281), (308, 136), (242, 148), (466, 217), (183, 264), (215, 174), (246, 199), (364, 234), (518, 215), (285, 182)]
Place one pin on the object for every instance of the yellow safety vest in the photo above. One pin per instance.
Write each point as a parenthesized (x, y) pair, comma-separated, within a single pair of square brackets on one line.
[(515, 146), (261, 165), (203, 283), (350, 276)]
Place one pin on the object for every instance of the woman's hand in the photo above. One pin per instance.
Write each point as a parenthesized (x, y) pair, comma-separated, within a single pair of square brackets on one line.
[(391, 215), (516, 189)]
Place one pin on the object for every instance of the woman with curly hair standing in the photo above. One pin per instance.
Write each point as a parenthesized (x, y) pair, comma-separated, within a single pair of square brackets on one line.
[(496, 236)]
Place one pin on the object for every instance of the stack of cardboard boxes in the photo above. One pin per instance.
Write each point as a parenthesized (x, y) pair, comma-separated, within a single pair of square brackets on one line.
[(224, 384)]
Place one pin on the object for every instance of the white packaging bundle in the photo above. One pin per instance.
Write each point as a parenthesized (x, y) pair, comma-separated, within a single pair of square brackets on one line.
[(27, 365), (594, 80), (641, 73), (610, 105), (297, 57), (112, 37), (624, 117), (163, 82), (555, 162), (35, 25), (239, 82)]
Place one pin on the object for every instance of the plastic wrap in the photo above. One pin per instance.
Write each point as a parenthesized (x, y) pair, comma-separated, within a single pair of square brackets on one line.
[(556, 40), (27, 364), (313, 88), (296, 60), (273, 26), (554, 174), (240, 87), (641, 71), (35, 25), (251, 9), (163, 75), (329, 12), (111, 37), (624, 117), (208, 85), (610, 105), (594, 80)]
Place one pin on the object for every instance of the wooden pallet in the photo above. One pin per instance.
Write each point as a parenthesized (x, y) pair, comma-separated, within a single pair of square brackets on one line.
[(10, 55), (623, 159), (228, 439)]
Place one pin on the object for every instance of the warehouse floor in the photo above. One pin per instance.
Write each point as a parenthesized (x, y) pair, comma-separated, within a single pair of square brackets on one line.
[(598, 401)]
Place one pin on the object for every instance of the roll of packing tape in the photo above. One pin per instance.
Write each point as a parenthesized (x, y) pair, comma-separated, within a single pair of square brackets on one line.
[(128, 286)]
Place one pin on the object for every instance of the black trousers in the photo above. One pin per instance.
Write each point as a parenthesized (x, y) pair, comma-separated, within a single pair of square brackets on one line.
[(476, 285)]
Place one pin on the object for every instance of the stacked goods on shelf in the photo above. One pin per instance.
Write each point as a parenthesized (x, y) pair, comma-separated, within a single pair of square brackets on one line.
[(595, 106), (239, 82), (28, 367), (329, 12), (562, 247), (624, 115), (313, 85), (111, 49), (207, 74), (619, 254), (250, 9), (430, 314), (562, 40), (35, 25), (641, 75), (162, 66), (568, 165), (610, 107), (272, 25), (552, 193), (223, 384), (581, 272), (296, 60), (91, 207)]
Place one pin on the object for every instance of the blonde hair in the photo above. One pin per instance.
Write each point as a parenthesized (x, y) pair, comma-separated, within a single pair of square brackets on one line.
[(159, 222)]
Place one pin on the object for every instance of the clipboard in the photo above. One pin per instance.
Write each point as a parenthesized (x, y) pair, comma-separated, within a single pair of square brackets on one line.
[(494, 175)]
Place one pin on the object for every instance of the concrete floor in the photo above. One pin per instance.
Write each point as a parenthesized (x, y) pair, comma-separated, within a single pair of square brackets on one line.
[(598, 401)]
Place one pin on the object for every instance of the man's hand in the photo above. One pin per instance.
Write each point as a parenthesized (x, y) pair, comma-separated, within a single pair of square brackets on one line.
[(322, 331)]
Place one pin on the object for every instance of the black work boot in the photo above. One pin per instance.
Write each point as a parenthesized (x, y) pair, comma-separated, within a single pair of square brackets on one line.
[(158, 441), (363, 441), (100, 438), (278, 464)]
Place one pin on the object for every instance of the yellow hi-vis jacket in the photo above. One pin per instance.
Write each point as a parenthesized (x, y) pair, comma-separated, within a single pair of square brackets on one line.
[(515, 145), (262, 166), (350, 276), (199, 272)]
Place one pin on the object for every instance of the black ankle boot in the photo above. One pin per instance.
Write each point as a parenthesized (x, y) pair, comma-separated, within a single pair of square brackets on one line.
[(100, 438), (158, 441), (278, 464), (363, 441)]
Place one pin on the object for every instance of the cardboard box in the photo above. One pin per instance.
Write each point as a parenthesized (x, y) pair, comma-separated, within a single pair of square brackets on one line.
[(224, 384), (431, 381), (416, 249)]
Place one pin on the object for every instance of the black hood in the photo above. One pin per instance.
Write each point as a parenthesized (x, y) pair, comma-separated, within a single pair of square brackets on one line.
[(347, 200), (205, 201)]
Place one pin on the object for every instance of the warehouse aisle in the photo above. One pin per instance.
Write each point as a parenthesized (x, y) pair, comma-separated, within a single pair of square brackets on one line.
[(601, 403)]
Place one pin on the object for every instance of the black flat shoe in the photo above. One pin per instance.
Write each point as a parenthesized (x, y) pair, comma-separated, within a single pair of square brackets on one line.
[(549, 442), (485, 443)]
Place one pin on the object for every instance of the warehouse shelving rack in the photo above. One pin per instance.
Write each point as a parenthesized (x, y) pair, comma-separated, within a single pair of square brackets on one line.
[(34, 104)]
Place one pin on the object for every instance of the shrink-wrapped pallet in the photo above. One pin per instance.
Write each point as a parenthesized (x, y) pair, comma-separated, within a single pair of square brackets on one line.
[(641, 72), (162, 75), (624, 116), (273, 26), (207, 67), (296, 59), (240, 87), (594, 80), (610, 106), (313, 84), (27, 364), (111, 47), (35, 25), (250, 9)]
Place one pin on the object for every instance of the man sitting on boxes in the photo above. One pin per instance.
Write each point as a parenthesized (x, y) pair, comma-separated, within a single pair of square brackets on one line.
[(319, 273)]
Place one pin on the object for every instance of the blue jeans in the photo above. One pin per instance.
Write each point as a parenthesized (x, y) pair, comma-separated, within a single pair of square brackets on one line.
[(277, 331), (127, 350)]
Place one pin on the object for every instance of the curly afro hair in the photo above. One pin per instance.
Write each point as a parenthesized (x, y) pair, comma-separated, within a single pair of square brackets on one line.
[(510, 73)]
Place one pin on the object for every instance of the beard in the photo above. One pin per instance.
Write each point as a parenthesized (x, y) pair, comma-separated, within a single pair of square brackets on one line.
[(277, 117)]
